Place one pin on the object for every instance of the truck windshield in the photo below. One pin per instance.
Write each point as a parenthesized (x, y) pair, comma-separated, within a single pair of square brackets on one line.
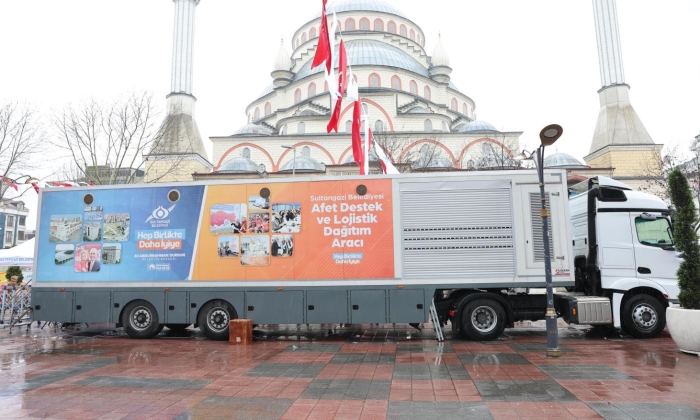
[(654, 232)]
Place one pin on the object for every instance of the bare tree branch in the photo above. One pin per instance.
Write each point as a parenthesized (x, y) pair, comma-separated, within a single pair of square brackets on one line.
[(21, 134)]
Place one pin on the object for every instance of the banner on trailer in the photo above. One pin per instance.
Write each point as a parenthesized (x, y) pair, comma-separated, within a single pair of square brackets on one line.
[(326, 230)]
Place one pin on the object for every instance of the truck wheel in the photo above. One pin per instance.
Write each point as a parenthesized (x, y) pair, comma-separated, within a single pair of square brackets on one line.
[(483, 319), (643, 317), (140, 320), (214, 318)]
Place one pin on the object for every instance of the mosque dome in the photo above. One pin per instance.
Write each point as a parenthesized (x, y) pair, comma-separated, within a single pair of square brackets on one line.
[(283, 61), (562, 160), (239, 165), (476, 127), (303, 164), (370, 52), (440, 56), (253, 130), (362, 5)]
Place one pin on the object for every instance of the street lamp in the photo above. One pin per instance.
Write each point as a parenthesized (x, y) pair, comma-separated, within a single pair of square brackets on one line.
[(548, 136), (294, 162)]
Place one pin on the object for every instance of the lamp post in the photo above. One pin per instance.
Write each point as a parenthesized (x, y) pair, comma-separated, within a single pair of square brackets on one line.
[(548, 136), (294, 161)]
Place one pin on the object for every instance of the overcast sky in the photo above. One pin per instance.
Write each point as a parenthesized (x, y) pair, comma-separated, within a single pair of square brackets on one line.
[(526, 64)]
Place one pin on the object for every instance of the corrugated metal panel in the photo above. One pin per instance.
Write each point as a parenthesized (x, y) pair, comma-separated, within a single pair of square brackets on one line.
[(537, 242), (458, 233)]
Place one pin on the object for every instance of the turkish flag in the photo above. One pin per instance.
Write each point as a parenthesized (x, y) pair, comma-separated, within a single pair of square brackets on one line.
[(357, 151), (36, 187), (342, 82), (323, 50), (335, 117)]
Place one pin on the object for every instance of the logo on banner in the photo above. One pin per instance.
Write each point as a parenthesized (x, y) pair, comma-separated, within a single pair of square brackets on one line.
[(159, 216), (158, 267)]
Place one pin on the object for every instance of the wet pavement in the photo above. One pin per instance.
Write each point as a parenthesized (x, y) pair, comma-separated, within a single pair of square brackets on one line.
[(355, 372)]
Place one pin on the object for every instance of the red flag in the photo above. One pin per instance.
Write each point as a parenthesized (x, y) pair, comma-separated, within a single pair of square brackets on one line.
[(342, 83), (357, 151), (36, 187), (323, 50), (335, 117), (10, 183)]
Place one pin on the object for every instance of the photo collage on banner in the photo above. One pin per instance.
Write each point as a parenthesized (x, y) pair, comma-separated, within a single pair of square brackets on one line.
[(89, 240), (255, 231)]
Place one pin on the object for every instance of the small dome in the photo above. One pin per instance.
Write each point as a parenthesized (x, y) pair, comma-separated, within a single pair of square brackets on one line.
[(239, 165), (440, 56), (303, 164), (283, 60), (562, 160), (476, 127), (253, 130)]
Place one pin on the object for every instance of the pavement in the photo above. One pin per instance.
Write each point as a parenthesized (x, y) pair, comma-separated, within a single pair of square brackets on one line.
[(362, 372)]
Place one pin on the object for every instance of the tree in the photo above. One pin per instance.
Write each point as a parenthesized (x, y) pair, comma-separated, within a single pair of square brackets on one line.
[(14, 271), (21, 138), (105, 144), (686, 240), (407, 158), (493, 155), (657, 169)]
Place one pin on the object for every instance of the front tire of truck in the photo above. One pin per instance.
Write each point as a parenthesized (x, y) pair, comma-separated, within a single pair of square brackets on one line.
[(643, 316), (214, 319), (140, 320), (483, 319)]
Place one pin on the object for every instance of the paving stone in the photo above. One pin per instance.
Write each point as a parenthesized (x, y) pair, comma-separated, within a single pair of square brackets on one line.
[(583, 372), (286, 370), (522, 390), (425, 348), (367, 358), (536, 347), (121, 381), (443, 410), (434, 372), (493, 359), (348, 389)]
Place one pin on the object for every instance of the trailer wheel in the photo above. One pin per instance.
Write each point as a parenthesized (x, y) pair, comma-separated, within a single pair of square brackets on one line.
[(643, 317), (483, 319), (214, 318), (140, 320)]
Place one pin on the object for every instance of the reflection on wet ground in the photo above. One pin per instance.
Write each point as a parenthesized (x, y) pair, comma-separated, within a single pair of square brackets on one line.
[(346, 372)]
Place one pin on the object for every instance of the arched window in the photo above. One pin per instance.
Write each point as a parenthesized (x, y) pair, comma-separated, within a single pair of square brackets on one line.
[(426, 92), (364, 24), (379, 25), (325, 86), (284, 130), (444, 127), (402, 30), (303, 37), (312, 33), (412, 35), (378, 126), (301, 128), (374, 80), (348, 126), (365, 109), (428, 126), (256, 116), (245, 153), (297, 96), (454, 105), (306, 151), (391, 27), (312, 90), (396, 83), (465, 110), (349, 25), (413, 86), (268, 109)]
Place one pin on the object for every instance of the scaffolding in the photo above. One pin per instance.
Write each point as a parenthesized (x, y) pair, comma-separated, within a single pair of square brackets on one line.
[(15, 305)]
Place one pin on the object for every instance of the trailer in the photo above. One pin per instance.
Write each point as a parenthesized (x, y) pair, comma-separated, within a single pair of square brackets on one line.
[(465, 247)]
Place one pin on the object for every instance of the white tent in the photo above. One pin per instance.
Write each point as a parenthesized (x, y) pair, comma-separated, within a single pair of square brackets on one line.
[(21, 255)]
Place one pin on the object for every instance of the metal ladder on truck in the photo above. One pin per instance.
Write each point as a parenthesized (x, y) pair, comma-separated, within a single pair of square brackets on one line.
[(436, 321)]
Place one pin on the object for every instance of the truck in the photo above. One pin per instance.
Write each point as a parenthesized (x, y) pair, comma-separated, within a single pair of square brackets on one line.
[(461, 248)]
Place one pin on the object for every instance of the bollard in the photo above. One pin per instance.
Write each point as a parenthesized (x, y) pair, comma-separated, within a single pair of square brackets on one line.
[(240, 332)]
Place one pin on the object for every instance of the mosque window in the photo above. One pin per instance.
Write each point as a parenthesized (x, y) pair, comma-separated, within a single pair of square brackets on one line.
[(268, 109), (465, 109), (391, 27), (412, 35), (453, 106), (301, 128), (413, 87), (396, 83), (403, 30), (378, 126), (256, 115), (303, 37), (379, 25), (297, 96), (364, 24), (374, 80), (348, 126), (284, 130), (312, 33), (306, 151), (312, 90), (365, 109), (350, 25), (246, 153), (428, 126), (426, 92), (444, 127)]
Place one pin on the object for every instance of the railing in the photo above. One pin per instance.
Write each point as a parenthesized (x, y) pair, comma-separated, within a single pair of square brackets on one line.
[(15, 305)]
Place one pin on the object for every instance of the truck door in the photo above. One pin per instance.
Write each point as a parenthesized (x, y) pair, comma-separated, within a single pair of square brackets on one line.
[(654, 250)]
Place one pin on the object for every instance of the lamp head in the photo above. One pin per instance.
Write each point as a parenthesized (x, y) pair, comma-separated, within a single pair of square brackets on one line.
[(551, 134), (286, 146)]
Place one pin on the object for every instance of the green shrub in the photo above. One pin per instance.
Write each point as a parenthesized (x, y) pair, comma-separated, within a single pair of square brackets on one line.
[(14, 271), (686, 240)]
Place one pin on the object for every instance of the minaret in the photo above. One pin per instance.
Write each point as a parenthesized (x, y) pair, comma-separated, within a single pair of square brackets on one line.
[(440, 63), (180, 152), (620, 140)]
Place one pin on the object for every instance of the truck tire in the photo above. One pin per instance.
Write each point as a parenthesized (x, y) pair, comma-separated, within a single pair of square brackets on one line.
[(643, 316), (214, 318), (483, 319), (140, 320)]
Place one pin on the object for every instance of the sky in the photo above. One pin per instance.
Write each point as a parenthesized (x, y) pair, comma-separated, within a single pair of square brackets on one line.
[(526, 64)]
